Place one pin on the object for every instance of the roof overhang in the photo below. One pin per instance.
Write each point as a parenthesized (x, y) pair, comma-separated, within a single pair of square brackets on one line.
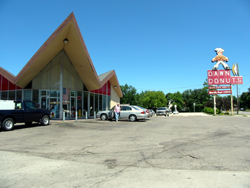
[(76, 51), (111, 76)]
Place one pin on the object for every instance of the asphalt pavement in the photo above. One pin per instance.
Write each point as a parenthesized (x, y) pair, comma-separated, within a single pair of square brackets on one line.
[(177, 151)]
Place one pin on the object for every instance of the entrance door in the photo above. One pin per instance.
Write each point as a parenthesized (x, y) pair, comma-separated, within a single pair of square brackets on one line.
[(45, 102), (73, 104), (55, 107)]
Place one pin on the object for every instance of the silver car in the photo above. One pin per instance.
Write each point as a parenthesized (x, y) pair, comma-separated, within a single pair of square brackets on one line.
[(144, 109), (163, 111), (129, 112), (151, 112)]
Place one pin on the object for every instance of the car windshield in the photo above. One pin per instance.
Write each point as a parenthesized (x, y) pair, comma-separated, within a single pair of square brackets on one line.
[(161, 109)]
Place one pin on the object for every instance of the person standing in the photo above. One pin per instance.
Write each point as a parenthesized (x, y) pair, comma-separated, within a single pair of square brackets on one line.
[(117, 111)]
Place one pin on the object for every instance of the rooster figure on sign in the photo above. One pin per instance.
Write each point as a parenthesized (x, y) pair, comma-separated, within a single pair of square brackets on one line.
[(220, 59)]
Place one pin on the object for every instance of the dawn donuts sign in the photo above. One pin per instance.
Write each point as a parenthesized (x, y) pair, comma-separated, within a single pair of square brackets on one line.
[(222, 77)]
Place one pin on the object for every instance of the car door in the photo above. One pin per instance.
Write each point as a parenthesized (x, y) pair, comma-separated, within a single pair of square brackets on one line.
[(126, 110), (18, 112), (111, 114), (31, 112), (122, 112)]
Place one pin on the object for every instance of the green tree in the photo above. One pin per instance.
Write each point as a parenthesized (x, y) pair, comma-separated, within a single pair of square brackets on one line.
[(245, 99), (178, 100), (130, 95), (153, 99), (198, 96), (188, 100)]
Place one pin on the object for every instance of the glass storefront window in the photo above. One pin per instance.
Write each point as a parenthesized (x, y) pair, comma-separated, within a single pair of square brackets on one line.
[(43, 92), (79, 103), (104, 102), (96, 103), (19, 95), (91, 104), (109, 100), (11, 95), (53, 93), (54, 107), (27, 95), (85, 103), (4, 95), (35, 96), (100, 102), (72, 93)]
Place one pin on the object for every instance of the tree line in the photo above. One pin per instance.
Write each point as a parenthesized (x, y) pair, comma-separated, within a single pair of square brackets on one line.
[(189, 101)]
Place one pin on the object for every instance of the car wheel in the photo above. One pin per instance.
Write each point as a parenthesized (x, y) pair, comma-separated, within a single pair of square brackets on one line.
[(8, 124), (45, 120), (132, 118), (103, 117)]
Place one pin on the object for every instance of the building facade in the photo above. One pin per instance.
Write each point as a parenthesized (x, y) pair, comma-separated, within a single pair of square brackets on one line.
[(61, 77)]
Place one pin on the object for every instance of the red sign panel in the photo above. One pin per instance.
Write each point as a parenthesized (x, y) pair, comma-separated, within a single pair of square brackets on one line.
[(220, 87), (218, 77), (222, 77), (220, 92), (236, 80)]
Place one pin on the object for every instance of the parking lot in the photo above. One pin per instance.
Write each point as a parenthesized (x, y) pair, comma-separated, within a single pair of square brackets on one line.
[(176, 151)]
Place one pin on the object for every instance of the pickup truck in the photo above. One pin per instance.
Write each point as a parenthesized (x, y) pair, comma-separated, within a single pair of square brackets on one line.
[(12, 112)]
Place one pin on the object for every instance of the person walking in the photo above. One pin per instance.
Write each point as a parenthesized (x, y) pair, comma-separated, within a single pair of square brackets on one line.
[(117, 111)]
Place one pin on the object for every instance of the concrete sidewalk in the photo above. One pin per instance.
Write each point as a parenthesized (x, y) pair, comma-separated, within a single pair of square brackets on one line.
[(191, 114)]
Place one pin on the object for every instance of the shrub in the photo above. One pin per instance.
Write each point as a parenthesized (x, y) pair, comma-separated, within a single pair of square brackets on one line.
[(210, 110)]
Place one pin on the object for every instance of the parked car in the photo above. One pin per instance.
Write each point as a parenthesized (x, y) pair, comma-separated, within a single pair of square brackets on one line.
[(147, 111), (163, 111), (129, 112), (151, 112), (12, 112)]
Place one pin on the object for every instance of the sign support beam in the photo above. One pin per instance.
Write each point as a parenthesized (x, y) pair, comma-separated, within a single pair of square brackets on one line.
[(232, 103), (215, 105)]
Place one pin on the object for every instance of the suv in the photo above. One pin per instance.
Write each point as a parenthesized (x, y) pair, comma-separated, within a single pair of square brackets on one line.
[(163, 111)]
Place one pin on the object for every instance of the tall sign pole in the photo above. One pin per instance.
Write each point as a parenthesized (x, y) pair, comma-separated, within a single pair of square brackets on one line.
[(215, 105), (223, 77), (237, 101), (236, 73), (232, 102)]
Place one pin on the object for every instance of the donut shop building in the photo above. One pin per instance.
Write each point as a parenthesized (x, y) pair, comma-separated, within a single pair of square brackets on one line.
[(61, 76)]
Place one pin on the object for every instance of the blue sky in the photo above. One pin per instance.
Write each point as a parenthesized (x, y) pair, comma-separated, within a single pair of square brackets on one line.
[(159, 45)]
